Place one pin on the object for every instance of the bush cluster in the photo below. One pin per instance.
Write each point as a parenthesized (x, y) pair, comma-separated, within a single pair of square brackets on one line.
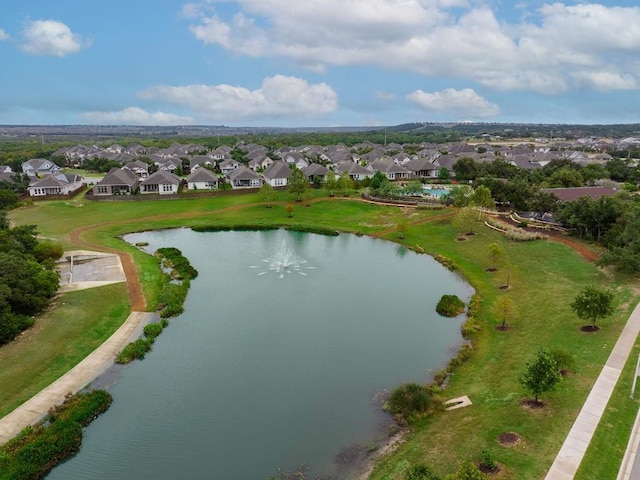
[(178, 262), (36, 450), (450, 306), (446, 262), (411, 400)]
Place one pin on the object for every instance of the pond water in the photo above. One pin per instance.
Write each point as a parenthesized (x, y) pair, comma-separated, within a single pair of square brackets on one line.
[(273, 365)]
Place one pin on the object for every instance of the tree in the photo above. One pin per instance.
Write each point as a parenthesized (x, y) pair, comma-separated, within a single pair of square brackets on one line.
[(496, 252), (331, 183), (377, 181), (402, 228), (505, 309), (542, 374), (465, 218), (420, 471), (467, 471), (593, 303), (289, 210), (466, 168), (267, 193), (298, 183), (460, 196), (481, 197), (345, 182), (444, 175)]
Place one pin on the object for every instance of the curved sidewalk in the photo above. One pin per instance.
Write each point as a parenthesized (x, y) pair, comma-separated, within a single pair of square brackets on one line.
[(75, 379), (570, 456)]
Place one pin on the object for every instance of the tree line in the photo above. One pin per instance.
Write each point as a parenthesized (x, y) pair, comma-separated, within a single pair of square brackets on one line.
[(27, 277)]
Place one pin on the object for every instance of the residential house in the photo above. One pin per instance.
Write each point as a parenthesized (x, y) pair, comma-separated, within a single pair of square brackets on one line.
[(55, 184), (278, 174), (574, 193), (171, 164), (39, 167), (140, 168), (391, 170), (355, 171), (119, 181), (315, 170), (229, 165), (423, 168), (198, 161), (202, 179), (260, 163), (162, 182), (242, 177), (5, 169)]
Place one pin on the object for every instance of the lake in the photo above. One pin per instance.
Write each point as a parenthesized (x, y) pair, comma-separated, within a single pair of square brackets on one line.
[(273, 365)]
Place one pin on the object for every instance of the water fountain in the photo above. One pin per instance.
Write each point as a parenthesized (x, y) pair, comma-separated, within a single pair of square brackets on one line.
[(285, 261)]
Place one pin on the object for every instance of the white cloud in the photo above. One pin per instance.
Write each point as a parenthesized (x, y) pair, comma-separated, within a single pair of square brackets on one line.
[(3, 35), (549, 51), (136, 116), (465, 102), (50, 37), (279, 96), (606, 80)]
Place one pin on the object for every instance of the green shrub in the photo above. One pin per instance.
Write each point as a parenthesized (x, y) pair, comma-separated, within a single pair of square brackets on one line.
[(488, 461), (82, 408), (134, 351), (409, 400), (152, 330), (313, 229), (174, 258), (469, 327), (450, 306), (36, 450), (467, 471), (420, 471), (446, 262)]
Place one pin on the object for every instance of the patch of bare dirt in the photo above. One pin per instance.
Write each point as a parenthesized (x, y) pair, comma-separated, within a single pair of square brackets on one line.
[(589, 328), (509, 439), (531, 404)]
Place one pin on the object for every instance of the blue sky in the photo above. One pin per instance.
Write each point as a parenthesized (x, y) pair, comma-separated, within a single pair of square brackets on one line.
[(318, 62)]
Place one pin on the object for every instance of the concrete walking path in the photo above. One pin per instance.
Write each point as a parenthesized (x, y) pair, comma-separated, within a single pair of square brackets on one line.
[(76, 379), (568, 460)]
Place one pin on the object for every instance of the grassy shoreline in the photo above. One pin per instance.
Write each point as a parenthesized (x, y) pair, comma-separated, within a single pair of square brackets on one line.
[(544, 276)]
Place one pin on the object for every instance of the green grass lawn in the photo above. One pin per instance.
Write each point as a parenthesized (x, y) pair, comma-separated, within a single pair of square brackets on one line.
[(543, 276), (75, 325)]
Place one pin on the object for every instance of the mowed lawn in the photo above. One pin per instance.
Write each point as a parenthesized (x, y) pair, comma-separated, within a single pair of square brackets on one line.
[(543, 276)]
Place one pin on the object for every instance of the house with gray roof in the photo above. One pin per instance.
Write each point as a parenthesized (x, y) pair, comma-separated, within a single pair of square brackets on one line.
[(56, 184), (202, 179), (355, 170), (119, 181), (162, 182), (242, 177), (422, 168), (391, 169), (277, 174), (39, 167), (315, 170), (140, 168)]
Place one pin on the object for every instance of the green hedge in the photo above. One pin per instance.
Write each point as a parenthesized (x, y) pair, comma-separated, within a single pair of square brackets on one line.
[(450, 306), (36, 450)]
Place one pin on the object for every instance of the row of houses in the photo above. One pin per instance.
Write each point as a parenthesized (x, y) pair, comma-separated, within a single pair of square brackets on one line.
[(274, 167)]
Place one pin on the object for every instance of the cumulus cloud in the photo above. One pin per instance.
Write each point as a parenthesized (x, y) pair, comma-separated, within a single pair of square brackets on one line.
[(550, 50), (51, 37), (136, 116), (278, 96), (3, 35), (465, 103)]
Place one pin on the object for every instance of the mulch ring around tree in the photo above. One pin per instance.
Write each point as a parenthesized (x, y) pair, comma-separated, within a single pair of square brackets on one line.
[(501, 328), (589, 328), (488, 471), (531, 404), (461, 239), (491, 269), (509, 439)]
